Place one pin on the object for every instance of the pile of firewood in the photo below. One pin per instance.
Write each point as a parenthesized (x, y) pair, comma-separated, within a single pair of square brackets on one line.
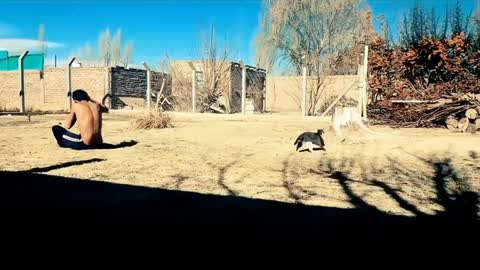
[(458, 113), (468, 120), (428, 85)]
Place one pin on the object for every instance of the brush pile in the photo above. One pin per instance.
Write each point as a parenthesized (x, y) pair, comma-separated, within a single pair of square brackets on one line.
[(430, 85)]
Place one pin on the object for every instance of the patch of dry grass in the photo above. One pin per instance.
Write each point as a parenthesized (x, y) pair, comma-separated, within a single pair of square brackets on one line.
[(151, 119)]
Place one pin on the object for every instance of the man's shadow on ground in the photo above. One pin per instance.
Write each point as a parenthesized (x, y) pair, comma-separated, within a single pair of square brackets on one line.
[(123, 144)]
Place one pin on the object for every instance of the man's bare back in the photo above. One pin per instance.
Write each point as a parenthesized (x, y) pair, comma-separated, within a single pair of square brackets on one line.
[(89, 117), (88, 113)]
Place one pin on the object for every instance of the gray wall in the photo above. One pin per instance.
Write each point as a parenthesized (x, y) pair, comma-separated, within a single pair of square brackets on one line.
[(132, 83)]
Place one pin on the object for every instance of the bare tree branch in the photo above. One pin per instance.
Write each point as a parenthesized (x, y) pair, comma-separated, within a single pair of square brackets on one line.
[(41, 38), (104, 46), (117, 48), (127, 54), (314, 34), (216, 70)]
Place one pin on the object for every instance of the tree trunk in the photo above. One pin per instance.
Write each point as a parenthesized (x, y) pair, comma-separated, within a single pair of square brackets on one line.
[(477, 123)]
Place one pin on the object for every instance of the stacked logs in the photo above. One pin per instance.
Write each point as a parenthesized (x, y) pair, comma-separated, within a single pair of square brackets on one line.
[(470, 122)]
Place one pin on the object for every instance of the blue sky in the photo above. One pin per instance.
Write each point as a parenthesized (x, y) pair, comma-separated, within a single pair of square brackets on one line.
[(155, 27), (394, 9)]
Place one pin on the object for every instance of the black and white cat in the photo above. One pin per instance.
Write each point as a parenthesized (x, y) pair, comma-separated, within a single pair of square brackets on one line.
[(311, 140)]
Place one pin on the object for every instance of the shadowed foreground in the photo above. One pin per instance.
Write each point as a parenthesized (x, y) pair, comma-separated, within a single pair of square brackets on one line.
[(40, 200)]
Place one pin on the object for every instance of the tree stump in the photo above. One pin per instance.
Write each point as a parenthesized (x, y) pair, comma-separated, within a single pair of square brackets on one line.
[(346, 117)]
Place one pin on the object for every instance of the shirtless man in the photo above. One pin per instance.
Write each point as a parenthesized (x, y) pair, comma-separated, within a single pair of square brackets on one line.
[(88, 113)]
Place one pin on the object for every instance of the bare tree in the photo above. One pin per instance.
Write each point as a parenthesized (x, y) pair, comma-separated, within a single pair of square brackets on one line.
[(104, 46), (311, 33), (476, 25), (86, 55), (41, 38), (164, 65), (216, 69), (385, 27), (127, 54), (213, 80), (117, 48)]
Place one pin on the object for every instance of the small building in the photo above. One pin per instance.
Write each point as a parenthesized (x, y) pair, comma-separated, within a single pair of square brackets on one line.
[(228, 82)]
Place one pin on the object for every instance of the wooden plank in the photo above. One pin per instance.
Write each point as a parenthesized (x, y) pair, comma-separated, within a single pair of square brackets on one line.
[(217, 109), (365, 83), (412, 101), (360, 86), (165, 100), (160, 92), (338, 98)]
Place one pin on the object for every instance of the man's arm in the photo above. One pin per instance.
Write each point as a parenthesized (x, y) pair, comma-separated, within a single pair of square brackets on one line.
[(70, 121), (103, 108)]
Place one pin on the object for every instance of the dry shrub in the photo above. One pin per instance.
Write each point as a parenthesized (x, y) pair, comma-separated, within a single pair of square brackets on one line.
[(150, 119)]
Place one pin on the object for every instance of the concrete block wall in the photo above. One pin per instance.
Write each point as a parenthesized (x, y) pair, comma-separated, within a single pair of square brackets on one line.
[(48, 90)]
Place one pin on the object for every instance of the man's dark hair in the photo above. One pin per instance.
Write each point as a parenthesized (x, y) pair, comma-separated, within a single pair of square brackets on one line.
[(80, 95)]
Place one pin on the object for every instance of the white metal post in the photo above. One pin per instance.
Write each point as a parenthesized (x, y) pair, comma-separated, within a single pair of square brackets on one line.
[(149, 85), (194, 86), (149, 89), (22, 81), (194, 90), (360, 83), (304, 92)]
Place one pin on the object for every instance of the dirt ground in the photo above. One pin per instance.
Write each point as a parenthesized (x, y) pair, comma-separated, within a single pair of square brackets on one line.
[(254, 157)]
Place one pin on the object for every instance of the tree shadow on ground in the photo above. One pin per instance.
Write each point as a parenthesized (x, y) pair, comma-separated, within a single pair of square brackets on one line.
[(41, 200)]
